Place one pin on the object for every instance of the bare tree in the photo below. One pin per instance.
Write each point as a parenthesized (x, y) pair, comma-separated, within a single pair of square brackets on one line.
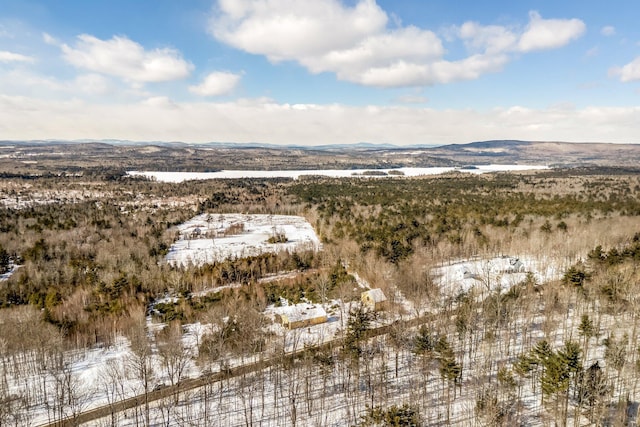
[(174, 355), (112, 381), (140, 362)]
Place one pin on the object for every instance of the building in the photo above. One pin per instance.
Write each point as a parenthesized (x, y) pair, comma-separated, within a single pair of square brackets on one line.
[(195, 233), (301, 315), (374, 299)]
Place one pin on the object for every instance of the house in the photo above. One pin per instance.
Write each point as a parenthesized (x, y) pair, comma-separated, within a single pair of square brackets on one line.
[(374, 299), (301, 315), (196, 233)]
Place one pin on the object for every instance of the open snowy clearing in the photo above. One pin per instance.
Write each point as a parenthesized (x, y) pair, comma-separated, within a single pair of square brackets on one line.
[(215, 237), (495, 274), (333, 173)]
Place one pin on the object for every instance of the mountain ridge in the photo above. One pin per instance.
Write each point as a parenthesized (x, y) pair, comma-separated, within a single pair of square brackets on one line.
[(132, 155)]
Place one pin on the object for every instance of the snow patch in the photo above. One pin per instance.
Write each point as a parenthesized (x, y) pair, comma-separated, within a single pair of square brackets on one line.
[(210, 238)]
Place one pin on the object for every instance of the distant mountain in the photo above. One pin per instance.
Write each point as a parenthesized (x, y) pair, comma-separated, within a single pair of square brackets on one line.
[(502, 144), (213, 144), (551, 153), (216, 155)]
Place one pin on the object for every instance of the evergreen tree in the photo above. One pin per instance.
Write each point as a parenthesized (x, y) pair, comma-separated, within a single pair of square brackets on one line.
[(593, 391), (394, 416), (4, 260)]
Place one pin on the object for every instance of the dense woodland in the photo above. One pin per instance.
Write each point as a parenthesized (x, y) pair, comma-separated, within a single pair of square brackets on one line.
[(87, 255)]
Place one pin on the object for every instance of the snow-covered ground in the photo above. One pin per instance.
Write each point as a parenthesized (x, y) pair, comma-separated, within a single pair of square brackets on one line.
[(96, 377), (106, 374), (22, 199), (499, 273), (296, 339), (319, 395), (101, 375), (12, 269), (216, 237), (333, 173)]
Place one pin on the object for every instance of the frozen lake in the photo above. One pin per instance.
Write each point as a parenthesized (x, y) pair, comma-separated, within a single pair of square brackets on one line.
[(334, 173)]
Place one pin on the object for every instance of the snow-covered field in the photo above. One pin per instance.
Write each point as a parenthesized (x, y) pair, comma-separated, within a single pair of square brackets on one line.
[(333, 173), (215, 237), (499, 273)]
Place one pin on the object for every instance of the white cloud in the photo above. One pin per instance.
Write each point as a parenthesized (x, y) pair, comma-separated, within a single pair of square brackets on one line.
[(160, 118), (407, 74), (20, 81), (126, 59), (491, 39), (324, 36), (93, 84), (356, 43), (627, 73), (50, 40), (539, 34), (408, 44), (6, 56), (608, 31), (544, 34), (594, 51), (216, 84), (290, 29), (411, 99), (161, 102)]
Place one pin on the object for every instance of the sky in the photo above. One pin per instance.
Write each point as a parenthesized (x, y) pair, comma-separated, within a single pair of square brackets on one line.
[(312, 72)]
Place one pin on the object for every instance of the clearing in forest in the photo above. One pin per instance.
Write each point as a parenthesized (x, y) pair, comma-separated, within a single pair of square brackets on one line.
[(211, 238)]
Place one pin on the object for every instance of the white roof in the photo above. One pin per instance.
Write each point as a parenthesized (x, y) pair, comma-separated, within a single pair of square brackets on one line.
[(376, 294), (299, 312)]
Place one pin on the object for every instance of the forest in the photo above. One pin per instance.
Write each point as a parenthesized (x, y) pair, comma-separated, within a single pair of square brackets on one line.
[(83, 267)]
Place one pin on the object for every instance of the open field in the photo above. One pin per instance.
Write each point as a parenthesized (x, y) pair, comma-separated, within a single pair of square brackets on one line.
[(211, 238)]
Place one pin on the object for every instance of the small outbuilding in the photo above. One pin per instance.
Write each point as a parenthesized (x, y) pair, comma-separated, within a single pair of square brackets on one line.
[(196, 233), (301, 315), (374, 299)]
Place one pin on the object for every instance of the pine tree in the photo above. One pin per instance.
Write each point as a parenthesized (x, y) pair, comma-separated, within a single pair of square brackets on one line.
[(587, 330), (572, 361), (4, 260), (593, 391), (450, 369)]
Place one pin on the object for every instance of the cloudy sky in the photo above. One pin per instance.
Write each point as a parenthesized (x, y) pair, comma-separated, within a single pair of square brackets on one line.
[(320, 71)]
